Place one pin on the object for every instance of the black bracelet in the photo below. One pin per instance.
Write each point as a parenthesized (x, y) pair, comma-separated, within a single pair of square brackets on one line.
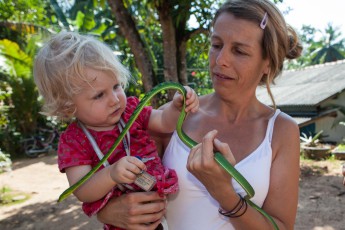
[(244, 210), (236, 211)]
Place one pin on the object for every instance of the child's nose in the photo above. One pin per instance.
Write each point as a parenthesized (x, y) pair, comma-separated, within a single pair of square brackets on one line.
[(114, 99)]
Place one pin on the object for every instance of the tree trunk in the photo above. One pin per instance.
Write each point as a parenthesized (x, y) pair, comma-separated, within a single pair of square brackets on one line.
[(182, 37), (130, 32), (169, 43), (182, 62)]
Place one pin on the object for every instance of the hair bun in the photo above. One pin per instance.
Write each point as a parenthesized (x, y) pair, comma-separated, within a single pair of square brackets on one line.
[(295, 47)]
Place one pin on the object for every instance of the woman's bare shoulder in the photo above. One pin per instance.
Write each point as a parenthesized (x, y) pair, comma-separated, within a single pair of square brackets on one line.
[(284, 120), (286, 130)]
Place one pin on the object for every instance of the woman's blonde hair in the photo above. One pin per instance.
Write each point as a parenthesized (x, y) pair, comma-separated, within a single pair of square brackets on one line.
[(279, 41), (59, 69)]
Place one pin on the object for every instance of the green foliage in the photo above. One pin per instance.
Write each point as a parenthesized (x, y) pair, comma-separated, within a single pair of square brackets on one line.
[(311, 141), (197, 62), (10, 197), (29, 11), (5, 162), (22, 28), (341, 147), (19, 97), (328, 47)]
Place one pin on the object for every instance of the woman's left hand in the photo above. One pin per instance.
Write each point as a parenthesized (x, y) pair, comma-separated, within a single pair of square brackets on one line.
[(202, 165)]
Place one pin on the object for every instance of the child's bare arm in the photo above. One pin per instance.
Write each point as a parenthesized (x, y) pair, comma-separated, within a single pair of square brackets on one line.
[(164, 120), (122, 171)]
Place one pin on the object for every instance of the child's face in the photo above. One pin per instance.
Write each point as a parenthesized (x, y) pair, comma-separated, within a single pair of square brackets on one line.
[(102, 101)]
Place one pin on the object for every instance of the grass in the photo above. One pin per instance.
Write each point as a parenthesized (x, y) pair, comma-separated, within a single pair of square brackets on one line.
[(320, 167), (341, 147), (10, 197)]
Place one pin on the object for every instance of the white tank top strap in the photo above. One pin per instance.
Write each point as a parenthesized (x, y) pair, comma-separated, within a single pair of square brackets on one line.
[(270, 126)]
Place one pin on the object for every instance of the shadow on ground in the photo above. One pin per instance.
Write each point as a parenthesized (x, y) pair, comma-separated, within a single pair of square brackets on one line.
[(50, 215), (48, 158)]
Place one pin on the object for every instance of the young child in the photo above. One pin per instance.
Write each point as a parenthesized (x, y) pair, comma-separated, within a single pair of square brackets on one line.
[(81, 80)]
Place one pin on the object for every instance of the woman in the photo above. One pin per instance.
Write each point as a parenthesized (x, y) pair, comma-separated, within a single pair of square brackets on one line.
[(249, 43)]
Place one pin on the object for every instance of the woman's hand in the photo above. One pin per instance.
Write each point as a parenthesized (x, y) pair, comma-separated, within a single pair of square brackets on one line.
[(202, 165), (139, 211)]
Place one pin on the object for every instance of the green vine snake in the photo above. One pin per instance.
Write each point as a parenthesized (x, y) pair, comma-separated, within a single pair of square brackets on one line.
[(220, 159)]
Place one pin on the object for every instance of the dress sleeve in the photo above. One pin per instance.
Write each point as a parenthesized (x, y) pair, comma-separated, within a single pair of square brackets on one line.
[(144, 116), (73, 148)]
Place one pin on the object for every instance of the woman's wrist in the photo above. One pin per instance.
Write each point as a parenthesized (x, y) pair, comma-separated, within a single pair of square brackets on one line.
[(238, 210), (226, 196)]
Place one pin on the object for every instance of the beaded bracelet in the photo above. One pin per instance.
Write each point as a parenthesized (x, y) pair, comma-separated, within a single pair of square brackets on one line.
[(236, 211)]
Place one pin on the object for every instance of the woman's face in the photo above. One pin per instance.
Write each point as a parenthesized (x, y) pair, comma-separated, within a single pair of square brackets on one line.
[(102, 101), (235, 56)]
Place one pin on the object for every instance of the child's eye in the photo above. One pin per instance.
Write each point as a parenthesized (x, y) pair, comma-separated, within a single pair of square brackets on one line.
[(117, 86), (98, 96)]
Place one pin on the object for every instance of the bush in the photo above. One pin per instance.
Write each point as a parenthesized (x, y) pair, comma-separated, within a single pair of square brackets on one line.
[(5, 162)]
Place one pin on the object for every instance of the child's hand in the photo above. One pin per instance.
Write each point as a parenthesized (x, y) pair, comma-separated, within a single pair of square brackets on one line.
[(192, 100), (125, 170)]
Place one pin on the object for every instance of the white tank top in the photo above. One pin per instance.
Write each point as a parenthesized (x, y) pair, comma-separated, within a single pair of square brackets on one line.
[(192, 207)]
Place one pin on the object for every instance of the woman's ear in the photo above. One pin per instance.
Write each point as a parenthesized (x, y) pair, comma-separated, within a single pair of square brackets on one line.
[(266, 69)]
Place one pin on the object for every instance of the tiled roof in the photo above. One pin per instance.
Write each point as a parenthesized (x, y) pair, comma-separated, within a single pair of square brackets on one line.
[(306, 87)]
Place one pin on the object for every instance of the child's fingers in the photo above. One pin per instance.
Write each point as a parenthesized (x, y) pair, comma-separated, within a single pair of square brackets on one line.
[(127, 169), (192, 102), (137, 166), (189, 93), (128, 177)]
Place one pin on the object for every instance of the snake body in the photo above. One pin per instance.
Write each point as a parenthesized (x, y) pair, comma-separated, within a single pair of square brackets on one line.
[(220, 159)]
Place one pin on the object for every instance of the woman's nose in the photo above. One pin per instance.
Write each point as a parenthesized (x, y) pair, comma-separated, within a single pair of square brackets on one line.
[(222, 58)]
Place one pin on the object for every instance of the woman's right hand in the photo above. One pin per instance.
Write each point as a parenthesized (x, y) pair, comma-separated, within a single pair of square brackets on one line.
[(202, 165), (138, 210)]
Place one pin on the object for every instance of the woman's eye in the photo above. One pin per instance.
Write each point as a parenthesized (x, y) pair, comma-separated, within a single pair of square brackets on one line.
[(216, 46), (241, 52)]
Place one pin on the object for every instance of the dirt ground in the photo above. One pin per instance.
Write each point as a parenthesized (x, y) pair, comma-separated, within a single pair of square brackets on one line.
[(321, 201)]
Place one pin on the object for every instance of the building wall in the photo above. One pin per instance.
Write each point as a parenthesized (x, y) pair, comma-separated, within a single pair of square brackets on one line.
[(331, 133), (334, 131)]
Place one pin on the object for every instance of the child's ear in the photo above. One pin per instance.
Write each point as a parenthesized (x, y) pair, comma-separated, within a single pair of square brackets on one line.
[(69, 111)]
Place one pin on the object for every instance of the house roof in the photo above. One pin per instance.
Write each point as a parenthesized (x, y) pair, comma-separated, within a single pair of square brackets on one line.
[(306, 87), (303, 121)]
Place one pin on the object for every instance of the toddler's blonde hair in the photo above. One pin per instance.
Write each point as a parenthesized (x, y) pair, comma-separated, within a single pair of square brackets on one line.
[(59, 70)]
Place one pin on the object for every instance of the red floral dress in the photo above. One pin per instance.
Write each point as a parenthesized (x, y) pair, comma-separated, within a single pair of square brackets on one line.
[(75, 149)]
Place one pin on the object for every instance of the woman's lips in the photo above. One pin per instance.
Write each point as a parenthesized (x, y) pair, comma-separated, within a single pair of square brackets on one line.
[(222, 76)]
